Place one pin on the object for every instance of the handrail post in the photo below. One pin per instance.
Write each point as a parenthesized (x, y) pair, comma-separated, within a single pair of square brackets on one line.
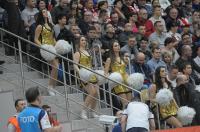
[(21, 65), (110, 96), (65, 88)]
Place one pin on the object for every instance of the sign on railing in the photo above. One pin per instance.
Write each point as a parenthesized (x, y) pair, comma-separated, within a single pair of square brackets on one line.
[(184, 129)]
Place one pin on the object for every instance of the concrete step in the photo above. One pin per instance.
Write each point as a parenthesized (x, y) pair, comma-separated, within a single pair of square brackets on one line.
[(70, 90), (84, 124), (10, 68), (13, 76)]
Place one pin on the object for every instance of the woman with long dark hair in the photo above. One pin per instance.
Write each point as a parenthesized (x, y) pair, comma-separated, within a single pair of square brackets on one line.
[(167, 112), (115, 63), (83, 57), (44, 34)]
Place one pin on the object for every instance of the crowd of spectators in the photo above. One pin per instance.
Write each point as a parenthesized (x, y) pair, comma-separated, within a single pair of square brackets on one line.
[(162, 42)]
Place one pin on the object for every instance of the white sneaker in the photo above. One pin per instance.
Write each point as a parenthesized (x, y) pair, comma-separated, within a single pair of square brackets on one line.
[(51, 91), (84, 114), (94, 115)]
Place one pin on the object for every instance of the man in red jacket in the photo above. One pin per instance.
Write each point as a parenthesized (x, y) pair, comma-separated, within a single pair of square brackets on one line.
[(143, 20)]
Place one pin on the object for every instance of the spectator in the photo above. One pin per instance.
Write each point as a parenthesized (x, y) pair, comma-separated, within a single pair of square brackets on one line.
[(118, 9), (13, 125), (143, 3), (137, 118), (143, 20), (159, 34), (128, 7), (39, 118), (187, 71), (141, 33), (155, 60), (197, 60), (172, 75), (62, 8), (52, 119), (194, 20), (143, 47), (133, 19), (117, 23), (123, 37), (186, 54), (28, 14), (157, 16), (60, 24), (83, 57), (115, 63), (44, 35), (167, 58), (41, 4), (130, 47), (172, 17), (103, 18), (106, 40), (173, 28), (169, 47), (183, 91), (86, 22), (141, 67)]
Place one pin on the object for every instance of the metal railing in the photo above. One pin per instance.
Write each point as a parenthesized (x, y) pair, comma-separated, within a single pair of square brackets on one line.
[(66, 85)]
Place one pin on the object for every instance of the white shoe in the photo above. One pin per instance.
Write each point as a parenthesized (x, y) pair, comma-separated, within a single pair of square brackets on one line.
[(84, 114), (94, 115), (51, 91)]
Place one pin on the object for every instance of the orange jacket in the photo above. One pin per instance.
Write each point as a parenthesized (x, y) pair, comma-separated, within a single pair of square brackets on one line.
[(13, 120)]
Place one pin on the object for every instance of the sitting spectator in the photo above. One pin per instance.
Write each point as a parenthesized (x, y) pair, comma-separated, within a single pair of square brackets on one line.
[(128, 7), (173, 28), (167, 58), (143, 3), (61, 8), (186, 54), (143, 20), (140, 33), (117, 23), (60, 24), (159, 34), (118, 9), (172, 75), (197, 60), (172, 17), (187, 71), (155, 60), (41, 4), (123, 37), (13, 125), (133, 19), (169, 47), (86, 22), (141, 67), (137, 118), (28, 14), (143, 47), (157, 16), (130, 47)]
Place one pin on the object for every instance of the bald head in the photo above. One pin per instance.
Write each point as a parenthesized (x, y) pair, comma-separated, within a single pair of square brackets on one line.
[(181, 79), (140, 57), (186, 51)]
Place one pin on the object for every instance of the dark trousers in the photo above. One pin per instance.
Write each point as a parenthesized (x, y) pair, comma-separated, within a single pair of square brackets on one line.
[(137, 129)]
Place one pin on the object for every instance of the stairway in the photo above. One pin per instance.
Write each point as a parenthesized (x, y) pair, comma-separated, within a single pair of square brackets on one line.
[(69, 117)]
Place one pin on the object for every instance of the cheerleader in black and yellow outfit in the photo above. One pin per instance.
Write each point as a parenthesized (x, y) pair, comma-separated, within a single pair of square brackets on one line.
[(83, 57), (116, 64), (168, 112), (44, 34)]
